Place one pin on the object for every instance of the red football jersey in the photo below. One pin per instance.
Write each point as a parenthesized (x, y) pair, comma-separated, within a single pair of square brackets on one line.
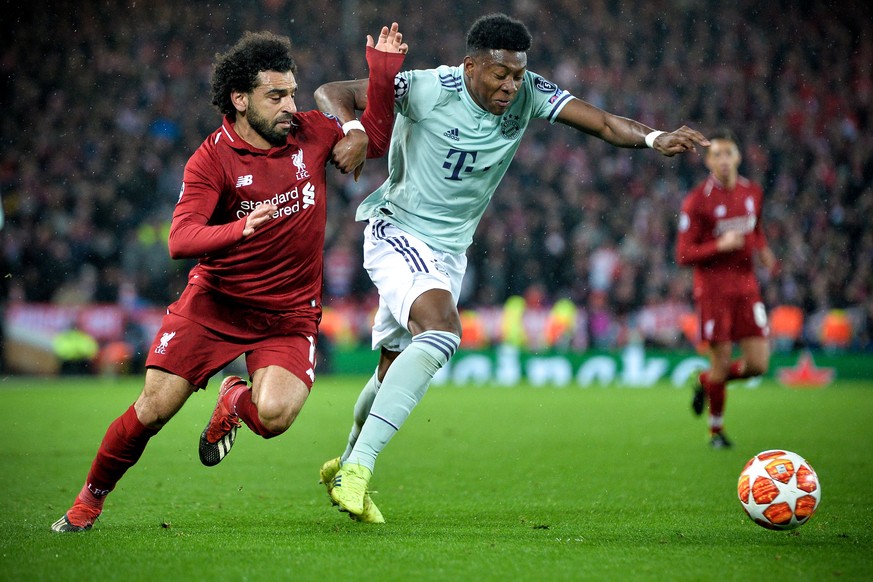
[(279, 266), (709, 211)]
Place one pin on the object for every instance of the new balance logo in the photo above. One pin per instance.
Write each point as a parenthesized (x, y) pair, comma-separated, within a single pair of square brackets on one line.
[(244, 181), (452, 134)]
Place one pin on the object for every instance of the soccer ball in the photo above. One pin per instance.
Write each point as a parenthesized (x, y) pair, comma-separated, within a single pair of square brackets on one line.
[(779, 489)]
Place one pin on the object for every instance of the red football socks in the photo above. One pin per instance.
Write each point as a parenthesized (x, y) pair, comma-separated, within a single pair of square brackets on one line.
[(716, 393), (122, 446)]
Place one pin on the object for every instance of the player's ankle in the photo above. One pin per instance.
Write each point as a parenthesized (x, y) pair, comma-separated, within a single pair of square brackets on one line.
[(88, 498)]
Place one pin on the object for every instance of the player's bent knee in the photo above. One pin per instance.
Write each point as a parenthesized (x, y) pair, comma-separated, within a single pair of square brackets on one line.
[(757, 368), (149, 419), (155, 413)]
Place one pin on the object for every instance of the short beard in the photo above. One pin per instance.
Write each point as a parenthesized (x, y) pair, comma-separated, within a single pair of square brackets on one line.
[(265, 129)]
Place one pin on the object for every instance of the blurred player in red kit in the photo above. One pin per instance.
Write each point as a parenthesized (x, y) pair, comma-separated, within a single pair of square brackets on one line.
[(720, 236), (252, 210)]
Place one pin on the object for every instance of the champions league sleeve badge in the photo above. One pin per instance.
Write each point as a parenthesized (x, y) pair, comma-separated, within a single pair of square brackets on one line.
[(544, 86)]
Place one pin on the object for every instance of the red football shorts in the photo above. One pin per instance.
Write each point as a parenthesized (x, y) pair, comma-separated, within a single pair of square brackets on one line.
[(201, 334), (732, 318)]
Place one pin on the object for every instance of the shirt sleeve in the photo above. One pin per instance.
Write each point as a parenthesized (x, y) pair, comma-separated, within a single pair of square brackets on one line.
[(547, 98), (191, 235), (416, 93), (378, 117)]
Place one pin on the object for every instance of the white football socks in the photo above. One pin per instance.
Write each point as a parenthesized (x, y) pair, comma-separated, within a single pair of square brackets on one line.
[(403, 387), (362, 410)]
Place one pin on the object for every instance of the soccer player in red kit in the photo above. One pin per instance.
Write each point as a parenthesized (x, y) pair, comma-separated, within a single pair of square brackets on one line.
[(252, 210), (720, 236)]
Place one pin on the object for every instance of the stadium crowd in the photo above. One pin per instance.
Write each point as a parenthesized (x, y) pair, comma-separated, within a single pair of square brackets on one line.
[(107, 100)]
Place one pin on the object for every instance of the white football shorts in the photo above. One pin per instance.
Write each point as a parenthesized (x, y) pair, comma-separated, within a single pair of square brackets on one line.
[(403, 267)]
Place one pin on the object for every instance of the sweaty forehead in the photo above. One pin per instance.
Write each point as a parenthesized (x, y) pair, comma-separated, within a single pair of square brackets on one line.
[(276, 81)]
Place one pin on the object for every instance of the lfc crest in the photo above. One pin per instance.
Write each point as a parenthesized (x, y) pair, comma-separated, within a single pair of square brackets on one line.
[(297, 160)]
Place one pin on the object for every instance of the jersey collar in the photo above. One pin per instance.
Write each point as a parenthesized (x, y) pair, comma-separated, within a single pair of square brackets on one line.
[(721, 186)]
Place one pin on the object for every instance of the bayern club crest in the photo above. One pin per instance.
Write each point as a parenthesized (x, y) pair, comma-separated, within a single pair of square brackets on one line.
[(509, 127)]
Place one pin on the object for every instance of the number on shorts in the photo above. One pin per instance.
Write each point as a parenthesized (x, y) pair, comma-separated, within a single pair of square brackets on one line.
[(311, 371), (760, 314)]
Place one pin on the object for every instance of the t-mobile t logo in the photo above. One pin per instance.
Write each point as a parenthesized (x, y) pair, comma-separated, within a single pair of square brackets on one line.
[(461, 164)]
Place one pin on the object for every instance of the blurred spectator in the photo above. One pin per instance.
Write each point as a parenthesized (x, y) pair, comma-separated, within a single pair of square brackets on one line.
[(786, 326), (76, 351), (836, 330)]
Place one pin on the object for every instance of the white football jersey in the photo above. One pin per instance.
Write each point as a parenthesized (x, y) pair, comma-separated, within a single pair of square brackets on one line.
[(448, 155)]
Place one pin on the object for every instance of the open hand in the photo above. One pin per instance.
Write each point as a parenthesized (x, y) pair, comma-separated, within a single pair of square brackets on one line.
[(732, 240), (390, 40), (258, 217)]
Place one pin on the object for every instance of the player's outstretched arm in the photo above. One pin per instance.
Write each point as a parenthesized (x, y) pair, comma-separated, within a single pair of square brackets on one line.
[(623, 132), (675, 142), (344, 98)]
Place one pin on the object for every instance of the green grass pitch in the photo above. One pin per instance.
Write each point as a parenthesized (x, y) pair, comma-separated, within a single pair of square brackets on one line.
[(483, 483)]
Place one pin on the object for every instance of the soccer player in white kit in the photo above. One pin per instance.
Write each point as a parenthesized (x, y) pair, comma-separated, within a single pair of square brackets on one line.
[(456, 130)]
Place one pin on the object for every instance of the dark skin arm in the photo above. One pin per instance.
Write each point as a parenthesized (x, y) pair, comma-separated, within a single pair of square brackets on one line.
[(627, 133), (344, 98)]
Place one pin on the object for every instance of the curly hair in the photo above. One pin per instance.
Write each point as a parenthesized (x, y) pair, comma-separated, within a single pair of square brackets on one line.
[(238, 68), (497, 31)]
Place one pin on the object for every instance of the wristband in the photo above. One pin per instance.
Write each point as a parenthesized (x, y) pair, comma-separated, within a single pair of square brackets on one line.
[(353, 124), (650, 138)]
